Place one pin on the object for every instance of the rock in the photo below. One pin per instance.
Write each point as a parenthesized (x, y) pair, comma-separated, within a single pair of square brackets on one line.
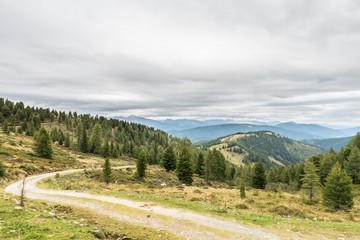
[(163, 184), (52, 214), (156, 181)]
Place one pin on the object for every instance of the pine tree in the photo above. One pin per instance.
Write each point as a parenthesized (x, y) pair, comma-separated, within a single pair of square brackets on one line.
[(200, 167), (67, 141), (2, 170), (337, 192), (311, 181), (242, 191), (215, 165), (107, 171), (96, 139), (259, 176), (141, 164), (326, 163), (352, 166), (106, 150), (184, 170), (169, 160), (83, 141), (43, 146)]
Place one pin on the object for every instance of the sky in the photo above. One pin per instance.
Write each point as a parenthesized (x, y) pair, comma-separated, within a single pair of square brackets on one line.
[(270, 60)]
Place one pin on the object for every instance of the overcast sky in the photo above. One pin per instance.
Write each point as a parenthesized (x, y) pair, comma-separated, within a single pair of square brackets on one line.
[(268, 60)]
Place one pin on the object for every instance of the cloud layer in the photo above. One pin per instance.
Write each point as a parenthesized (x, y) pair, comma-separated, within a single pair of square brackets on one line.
[(259, 60)]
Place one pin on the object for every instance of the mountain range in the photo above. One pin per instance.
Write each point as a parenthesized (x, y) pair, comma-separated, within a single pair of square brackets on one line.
[(202, 131)]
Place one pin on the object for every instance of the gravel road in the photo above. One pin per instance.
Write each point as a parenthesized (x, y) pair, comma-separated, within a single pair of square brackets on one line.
[(182, 223)]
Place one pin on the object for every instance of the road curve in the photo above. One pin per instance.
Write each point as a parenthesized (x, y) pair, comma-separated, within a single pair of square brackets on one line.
[(179, 222)]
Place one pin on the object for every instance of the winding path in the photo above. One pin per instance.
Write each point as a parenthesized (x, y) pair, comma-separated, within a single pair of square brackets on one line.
[(182, 223)]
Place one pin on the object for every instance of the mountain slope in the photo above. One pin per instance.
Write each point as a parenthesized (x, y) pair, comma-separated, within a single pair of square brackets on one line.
[(208, 133), (314, 129), (326, 144), (170, 124), (267, 147)]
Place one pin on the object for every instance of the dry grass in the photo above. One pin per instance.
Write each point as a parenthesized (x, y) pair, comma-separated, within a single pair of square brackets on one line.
[(279, 210)]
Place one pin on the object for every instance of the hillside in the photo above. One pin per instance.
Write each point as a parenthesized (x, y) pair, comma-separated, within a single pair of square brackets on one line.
[(327, 144), (267, 147), (169, 125), (85, 133), (201, 134), (314, 129)]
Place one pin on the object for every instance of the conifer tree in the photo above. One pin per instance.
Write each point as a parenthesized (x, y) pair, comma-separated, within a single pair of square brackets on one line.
[(337, 192), (43, 146), (200, 167), (169, 160), (2, 170), (184, 170), (259, 176), (141, 164), (83, 141), (67, 140), (242, 190), (352, 166), (311, 181), (107, 171), (106, 150), (96, 139), (326, 163)]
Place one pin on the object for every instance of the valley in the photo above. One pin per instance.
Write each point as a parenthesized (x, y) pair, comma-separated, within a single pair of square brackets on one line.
[(70, 191)]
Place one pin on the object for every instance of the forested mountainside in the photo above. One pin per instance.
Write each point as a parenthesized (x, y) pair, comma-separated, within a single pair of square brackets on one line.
[(86, 133), (264, 146)]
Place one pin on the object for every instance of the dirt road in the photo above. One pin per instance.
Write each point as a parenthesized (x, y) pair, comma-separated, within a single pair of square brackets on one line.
[(182, 223)]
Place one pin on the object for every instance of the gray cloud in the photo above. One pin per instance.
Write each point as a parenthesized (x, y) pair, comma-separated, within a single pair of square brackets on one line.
[(261, 60)]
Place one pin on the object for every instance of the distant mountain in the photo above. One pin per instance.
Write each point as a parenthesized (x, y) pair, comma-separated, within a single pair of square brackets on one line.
[(326, 144), (267, 147), (314, 129), (351, 131), (208, 133), (206, 130), (172, 125)]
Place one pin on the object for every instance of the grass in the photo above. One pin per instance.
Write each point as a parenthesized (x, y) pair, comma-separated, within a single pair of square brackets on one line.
[(16, 153), (39, 220), (268, 209)]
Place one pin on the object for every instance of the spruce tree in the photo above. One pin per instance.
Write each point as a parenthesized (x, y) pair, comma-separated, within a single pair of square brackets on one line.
[(96, 139), (169, 160), (67, 140), (311, 181), (326, 163), (242, 190), (2, 170), (141, 164), (352, 166), (259, 176), (337, 192), (43, 146), (107, 171), (106, 150), (83, 141), (184, 170)]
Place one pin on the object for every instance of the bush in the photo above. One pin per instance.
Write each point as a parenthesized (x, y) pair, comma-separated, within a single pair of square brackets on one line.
[(241, 206), (285, 211)]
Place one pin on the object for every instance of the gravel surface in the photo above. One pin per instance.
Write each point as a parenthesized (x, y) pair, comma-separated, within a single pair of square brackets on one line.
[(182, 223)]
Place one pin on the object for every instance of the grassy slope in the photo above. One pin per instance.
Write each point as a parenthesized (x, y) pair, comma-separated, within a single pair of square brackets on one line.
[(35, 221), (276, 211), (270, 148)]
